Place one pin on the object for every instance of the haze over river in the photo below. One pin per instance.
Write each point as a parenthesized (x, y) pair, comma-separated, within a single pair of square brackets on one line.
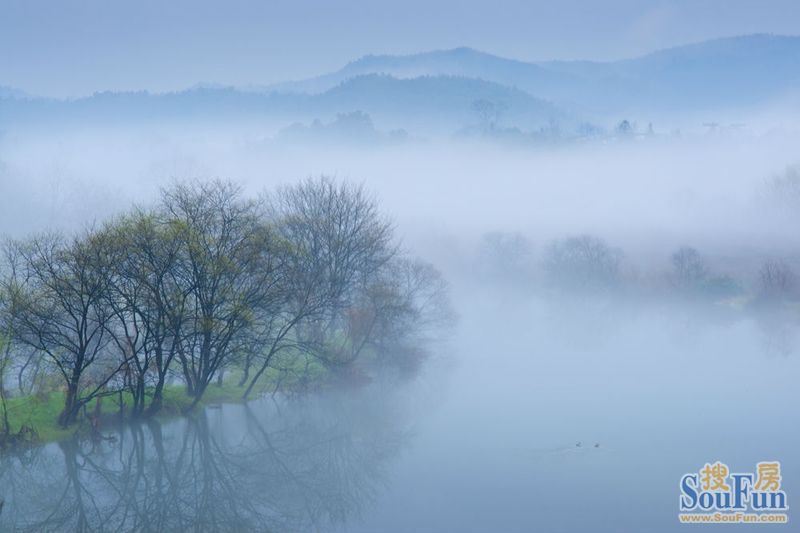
[(603, 407)]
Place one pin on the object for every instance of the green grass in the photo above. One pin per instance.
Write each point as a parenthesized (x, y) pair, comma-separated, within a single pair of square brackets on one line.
[(40, 412)]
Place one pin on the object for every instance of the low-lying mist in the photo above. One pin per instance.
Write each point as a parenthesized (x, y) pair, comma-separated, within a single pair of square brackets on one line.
[(646, 196), (626, 308)]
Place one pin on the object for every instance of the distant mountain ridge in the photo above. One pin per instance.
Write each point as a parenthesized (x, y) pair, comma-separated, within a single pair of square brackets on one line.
[(445, 103), (733, 71), (462, 62), (444, 91)]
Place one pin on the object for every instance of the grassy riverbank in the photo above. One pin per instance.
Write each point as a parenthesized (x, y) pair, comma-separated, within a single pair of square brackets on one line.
[(40, 412)]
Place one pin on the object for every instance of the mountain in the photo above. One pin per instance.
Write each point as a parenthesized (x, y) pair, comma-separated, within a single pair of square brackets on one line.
[(426, 103), (722, 73), (453, 90), (460, 62), (730, 72), (444, 99)]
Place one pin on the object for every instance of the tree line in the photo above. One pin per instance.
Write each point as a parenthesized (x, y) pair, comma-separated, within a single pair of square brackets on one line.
[(587, 264), (208, 280)]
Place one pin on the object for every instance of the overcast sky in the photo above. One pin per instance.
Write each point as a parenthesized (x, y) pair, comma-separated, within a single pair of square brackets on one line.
[(76, 47)]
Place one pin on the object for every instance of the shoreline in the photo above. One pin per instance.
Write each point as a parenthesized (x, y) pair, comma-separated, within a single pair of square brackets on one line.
[(34, 418)]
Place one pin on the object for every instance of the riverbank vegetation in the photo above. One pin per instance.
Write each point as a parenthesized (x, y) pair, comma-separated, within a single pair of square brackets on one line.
[(287, 291)]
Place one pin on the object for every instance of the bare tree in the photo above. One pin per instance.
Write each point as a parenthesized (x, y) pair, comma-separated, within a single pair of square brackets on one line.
[(56, 291), (146, 300), (404, 309), (228, 263), (582, 263), (506, 255), (688, 269), (776, 280), (783, 189), (337, 240)]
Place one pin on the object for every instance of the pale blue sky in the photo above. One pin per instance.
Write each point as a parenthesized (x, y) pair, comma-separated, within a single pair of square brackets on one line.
[(76, 47)]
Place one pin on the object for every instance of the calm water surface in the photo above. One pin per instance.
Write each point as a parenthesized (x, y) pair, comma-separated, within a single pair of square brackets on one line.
[(485, 440)]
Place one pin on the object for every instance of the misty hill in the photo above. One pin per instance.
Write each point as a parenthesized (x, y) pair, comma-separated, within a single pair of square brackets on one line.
[(443, 99), (730, 72), (441, 103), (739, 71), (461, 62), (437, 92)]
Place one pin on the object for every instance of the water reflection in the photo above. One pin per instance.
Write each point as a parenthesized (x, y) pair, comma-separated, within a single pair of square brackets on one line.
[(299, 466)]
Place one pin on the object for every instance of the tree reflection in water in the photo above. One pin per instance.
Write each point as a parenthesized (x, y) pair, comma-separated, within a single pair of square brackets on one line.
[(291, 466)]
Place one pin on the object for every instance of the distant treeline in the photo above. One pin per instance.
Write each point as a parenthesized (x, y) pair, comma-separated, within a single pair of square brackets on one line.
[(587, 265), (302, 283)]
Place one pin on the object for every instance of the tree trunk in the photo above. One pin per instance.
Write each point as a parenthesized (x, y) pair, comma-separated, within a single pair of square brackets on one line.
[(6, 424), (188, 378), (201, 388), (70, 412), (246, 370), (187, 374), (158, 395), (138, 397), (258, 375), (3, 365)]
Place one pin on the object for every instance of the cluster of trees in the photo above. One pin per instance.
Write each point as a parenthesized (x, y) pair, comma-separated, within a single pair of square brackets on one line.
[(355, 126), (489, 116), (783, 190), (691, 276), (208, 280), (582, 262)]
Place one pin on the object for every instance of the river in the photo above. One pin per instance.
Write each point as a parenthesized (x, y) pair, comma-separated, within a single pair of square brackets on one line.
[(539, 415)]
